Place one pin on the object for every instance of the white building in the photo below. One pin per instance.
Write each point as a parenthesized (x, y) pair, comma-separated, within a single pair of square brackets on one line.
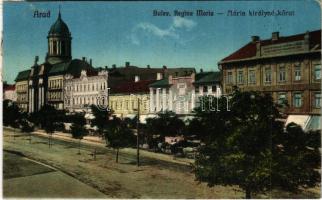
[(180, 94), (90, 88)]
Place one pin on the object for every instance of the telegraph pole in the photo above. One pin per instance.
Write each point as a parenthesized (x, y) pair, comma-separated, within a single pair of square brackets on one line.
[(137, 135)]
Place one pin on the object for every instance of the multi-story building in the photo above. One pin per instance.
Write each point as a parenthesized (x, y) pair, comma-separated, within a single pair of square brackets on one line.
[(90, 88), (9, 92), (173, 93), (125, 98), (45, 82), (57, 75), (289, 68), (180, 94), (22, 89), (206, 84)]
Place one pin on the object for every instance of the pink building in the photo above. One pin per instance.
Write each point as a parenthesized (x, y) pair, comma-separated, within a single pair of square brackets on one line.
[(9, 92)]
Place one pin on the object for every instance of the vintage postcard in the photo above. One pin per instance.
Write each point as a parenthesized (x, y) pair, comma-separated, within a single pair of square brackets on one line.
[(161, 100)]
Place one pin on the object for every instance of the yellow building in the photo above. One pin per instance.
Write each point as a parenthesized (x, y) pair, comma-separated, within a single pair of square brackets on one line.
[(123, 99)]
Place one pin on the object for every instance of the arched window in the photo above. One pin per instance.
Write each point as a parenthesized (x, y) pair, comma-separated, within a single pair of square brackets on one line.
[(54, 47)]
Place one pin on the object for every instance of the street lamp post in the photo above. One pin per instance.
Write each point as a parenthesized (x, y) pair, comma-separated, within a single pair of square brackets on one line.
[(137, 135)]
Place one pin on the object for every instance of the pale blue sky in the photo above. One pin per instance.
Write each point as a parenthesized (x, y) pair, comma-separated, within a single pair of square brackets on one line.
[(116, 32)]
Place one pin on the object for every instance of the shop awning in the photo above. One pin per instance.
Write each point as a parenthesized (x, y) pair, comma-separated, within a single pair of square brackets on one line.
[(307, 122)]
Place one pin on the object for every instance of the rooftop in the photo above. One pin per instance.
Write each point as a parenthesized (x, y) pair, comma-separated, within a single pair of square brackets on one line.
[(132, 87), (23, 75), (249, 50), (208, 77)]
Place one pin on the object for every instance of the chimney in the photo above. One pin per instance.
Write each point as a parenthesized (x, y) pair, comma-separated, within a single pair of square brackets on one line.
[(127, 64), (90, 62), (148, 66), (193, 77), (114, 66), (159, 76), (255, 38), (275, 35), (83, 58), (307, 35), (307, 40), (201, 70), (258, 49), (136, 78)]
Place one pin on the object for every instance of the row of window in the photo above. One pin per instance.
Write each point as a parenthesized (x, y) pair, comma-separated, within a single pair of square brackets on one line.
[(127, 105), (54, 47), (298, 99), (21, 87), (87, 87), (86, 100), (55, 95), (55, 84), (205, 89), (281, 76), (161, 90)]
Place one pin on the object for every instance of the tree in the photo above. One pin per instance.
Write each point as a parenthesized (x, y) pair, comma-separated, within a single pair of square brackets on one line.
[(27, 127), (78, 129), (49, 128), (15, 125), (119, 135), (247, 146), (299, 158), (101, 117), (11, 113), (166, 124), (195, 128), (48, 112), (48, 117)]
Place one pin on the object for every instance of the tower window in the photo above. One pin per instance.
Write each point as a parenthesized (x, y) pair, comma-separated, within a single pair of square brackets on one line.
[(63, 48), (54, 47)]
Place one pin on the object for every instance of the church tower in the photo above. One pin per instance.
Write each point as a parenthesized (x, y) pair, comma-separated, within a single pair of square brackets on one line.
[(59, 42)]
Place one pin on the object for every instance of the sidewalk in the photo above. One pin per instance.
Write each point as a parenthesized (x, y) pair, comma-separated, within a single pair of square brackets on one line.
[(37, 180), (96, 141)]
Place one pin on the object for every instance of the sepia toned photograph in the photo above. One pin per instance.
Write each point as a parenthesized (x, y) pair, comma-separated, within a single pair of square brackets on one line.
[(161, 100)]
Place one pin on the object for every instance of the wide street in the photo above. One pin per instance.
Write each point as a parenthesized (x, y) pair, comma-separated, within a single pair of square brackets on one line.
[(35, 170)]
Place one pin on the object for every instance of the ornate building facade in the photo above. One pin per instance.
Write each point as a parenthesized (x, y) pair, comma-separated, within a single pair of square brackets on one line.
[(289, 68), (44, 83), (90, 88), (181, 93)]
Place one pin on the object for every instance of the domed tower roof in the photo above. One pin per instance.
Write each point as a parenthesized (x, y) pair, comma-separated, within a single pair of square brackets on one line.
[(59, 28)]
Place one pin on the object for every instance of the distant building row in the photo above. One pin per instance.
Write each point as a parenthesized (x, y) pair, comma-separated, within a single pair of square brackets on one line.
[(289, 68), (74, 84)]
